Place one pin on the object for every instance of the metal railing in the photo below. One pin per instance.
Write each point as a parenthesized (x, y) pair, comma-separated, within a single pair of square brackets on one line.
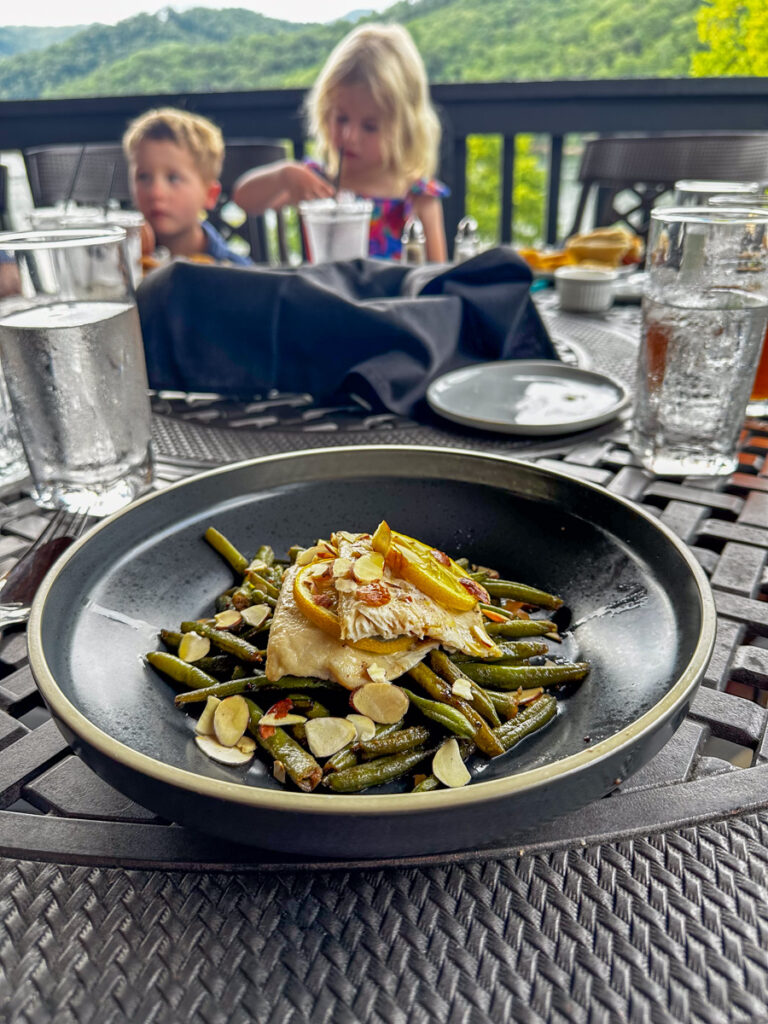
[(554, 109)]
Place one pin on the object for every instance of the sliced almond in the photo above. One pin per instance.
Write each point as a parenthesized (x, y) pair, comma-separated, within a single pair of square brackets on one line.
[(381, 702), (377, 673), (326, 736), (346, 586), (278, 770), (230, 720), (282, 720), (247, 744), (448, 767), (307, 555), (341, 567), (326, 550), (193, 647), (258, 565), (256, 614), (369, 567), (526, 696), (461, 688), (204, 725), (364, 726), (225, 755), (480, 634), (226, 620)]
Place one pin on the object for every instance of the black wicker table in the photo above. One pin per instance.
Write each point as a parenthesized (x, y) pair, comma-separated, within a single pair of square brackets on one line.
[(649, 905)]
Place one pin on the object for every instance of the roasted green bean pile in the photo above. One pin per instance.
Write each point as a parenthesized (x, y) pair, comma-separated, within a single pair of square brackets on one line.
[(316, 734)]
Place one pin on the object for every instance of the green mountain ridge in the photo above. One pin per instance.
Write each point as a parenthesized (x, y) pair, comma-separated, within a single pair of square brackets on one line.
[(24, 38), (202, 50)]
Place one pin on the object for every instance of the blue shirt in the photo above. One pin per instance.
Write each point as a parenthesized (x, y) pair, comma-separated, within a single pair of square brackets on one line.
[(217, 247)]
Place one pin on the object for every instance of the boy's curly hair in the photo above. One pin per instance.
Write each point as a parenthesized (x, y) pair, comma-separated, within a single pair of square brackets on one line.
[(383, 58), (199, 136)]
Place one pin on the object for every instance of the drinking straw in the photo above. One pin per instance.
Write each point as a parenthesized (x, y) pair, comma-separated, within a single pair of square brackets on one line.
[(110, 187), (73, 182)]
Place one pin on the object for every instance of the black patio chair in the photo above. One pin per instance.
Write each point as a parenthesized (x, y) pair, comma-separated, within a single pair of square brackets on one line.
[(642, 169), (88, 174), (4, 222), (240, 156)]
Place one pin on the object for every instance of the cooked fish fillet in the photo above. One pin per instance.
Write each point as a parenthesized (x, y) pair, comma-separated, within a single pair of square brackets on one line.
[(299, 648), (407, 612)]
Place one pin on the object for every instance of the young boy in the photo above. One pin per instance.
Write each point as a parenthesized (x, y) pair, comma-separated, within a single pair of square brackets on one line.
[(174, 161)]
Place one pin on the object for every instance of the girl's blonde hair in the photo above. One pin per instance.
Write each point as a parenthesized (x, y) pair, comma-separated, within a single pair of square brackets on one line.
[(385, 60)]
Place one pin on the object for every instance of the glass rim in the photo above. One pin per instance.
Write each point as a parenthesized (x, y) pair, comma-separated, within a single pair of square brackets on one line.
[(711, 214), (60, 238), (705, 185), (755, 200)]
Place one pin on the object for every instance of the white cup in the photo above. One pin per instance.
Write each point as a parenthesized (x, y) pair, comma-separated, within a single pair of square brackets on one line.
[(582, 290), (336, 229)]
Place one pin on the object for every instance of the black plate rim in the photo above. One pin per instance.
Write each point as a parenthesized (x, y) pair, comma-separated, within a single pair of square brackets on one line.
[(369, 804)]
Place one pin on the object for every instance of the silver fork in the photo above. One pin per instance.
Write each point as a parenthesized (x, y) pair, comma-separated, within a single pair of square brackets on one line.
[(20, 584)]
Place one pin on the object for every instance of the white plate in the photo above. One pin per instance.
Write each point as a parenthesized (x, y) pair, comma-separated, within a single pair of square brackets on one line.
[(520, 396)]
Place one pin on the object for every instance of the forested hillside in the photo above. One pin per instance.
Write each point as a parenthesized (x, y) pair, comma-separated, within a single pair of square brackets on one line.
[(461, 40), (21, 39)]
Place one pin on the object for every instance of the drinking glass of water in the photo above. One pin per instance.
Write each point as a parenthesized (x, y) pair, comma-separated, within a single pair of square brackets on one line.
[(705, 311), (73, 360)]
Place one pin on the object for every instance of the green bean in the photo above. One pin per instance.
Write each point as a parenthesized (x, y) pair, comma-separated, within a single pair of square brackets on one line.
[(265, 554), (394, 743), (529, 719), (520, 627), (440, 690), (225, 689), (427, 784), (522, 592), (215, 664), (180, 671), (510, 653), (450, 718), (227, 550), (256, 580), (302, 768), (505, 703), (375, 773), (344, 758), (510, 677), (444, 667), (225, 640), (171, 638), (430, 782)]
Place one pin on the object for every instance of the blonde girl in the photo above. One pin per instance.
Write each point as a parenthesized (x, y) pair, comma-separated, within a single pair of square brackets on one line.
[(369, 109)]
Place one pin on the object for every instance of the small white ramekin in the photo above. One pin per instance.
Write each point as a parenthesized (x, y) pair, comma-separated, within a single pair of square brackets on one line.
[(584, 291)]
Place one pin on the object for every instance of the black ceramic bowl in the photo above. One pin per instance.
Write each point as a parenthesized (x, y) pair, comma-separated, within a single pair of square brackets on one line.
[(641, 614)]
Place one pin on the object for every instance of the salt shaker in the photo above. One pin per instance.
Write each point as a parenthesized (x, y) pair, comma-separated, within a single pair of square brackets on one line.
[(414, 242), (466, 244)]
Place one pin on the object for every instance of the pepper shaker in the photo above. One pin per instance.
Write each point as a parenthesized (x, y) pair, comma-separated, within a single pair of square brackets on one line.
[(466, 244), (414, 242)]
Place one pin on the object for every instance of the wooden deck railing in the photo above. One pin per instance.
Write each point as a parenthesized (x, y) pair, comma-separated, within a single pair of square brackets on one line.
[(554, 109)]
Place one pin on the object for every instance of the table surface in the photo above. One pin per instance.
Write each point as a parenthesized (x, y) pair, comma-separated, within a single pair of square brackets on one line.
[(651, 904)]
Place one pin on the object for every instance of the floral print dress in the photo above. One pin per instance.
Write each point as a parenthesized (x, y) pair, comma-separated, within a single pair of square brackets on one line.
[(389, 215)]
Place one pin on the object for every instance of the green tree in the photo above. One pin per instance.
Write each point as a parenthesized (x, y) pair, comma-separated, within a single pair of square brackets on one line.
[(735, 33)]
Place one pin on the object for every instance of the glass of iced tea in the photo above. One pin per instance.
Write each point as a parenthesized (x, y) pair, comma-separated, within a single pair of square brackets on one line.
[(705, 313), (73, 360), (758, 402)]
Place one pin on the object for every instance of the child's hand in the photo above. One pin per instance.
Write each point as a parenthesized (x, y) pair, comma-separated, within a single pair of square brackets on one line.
[(300, 183)]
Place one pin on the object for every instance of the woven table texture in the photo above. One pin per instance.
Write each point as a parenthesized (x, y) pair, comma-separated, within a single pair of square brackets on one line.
[(650, 905), (668, 928)]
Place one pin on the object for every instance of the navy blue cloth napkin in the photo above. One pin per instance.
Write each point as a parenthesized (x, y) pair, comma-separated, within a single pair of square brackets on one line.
[(369, 327)]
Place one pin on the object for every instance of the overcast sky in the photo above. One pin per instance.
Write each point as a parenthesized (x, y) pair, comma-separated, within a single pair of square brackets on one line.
[(82, 12)]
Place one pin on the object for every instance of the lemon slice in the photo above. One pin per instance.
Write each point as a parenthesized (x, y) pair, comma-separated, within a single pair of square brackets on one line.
[(414, 561), (327, 620)]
